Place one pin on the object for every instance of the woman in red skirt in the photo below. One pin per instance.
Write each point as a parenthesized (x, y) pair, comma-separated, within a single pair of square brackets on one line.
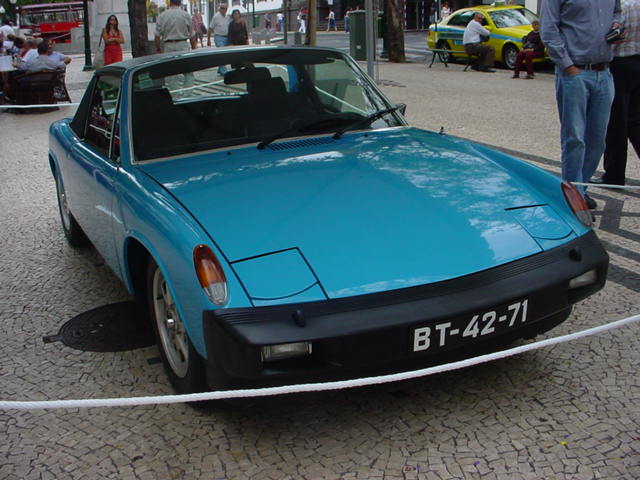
[(112, 38)]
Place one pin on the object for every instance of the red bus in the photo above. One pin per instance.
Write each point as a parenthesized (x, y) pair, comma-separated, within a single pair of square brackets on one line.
[(52, 21)]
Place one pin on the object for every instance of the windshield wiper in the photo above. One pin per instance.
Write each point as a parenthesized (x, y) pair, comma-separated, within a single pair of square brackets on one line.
[(367, 120), (324, 121)]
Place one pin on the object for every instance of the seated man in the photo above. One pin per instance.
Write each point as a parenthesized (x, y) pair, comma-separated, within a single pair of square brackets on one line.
[(29, 52), (43, 62), (57, 55), (8, 44), (473, 43)]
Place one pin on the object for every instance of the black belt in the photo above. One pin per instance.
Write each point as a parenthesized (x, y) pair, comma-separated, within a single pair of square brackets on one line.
[(596, 67), (178, 40)]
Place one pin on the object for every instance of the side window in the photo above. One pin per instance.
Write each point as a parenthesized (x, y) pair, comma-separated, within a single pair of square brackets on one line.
[(339, 90), (461, 20), (102, 123)]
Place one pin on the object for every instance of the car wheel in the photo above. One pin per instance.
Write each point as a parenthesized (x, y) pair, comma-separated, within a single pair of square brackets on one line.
[(509, 53), (182, 362), (73, 231), (444, 57)]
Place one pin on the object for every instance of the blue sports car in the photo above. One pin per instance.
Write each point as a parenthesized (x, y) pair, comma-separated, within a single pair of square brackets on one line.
[(282, 222)]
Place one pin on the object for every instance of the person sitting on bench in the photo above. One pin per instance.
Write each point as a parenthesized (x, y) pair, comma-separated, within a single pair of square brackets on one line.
[(43, 62), (532, 47), (472, 42)]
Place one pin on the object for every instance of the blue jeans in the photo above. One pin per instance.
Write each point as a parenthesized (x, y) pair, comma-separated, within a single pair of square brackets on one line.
[(221, 41), (584, 102)]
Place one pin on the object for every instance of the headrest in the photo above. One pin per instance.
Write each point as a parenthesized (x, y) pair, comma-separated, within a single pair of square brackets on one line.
[(265, 88), (149, 96), (246, 75)]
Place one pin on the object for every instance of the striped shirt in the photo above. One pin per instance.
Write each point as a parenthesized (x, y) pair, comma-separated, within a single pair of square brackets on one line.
[(631, 21)]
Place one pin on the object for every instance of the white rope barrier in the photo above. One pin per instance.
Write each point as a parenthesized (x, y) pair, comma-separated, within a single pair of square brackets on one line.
[(607, 185), (310, 387), (42, 105)]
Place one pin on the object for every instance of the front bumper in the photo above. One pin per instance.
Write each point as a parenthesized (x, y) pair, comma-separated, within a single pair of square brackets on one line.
[(376, 333)]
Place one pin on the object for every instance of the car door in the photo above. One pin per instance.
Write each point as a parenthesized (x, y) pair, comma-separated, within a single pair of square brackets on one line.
[(457, 23), (97, 161)]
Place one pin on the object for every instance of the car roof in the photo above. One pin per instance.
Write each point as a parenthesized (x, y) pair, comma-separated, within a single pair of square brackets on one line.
[(488, 8), (159, 58)]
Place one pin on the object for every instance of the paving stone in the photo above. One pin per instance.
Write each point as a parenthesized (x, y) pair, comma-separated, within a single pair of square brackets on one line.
[(510, 416)]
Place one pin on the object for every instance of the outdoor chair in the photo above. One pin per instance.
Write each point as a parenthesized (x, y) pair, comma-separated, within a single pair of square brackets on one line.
[(38, 88)]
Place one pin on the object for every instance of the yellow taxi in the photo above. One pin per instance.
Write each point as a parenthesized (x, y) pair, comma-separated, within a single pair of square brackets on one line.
[(507, 24)]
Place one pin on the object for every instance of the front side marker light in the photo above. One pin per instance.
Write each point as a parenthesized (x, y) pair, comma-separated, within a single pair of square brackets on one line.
[(587, 278), (577, 203), (210, 274)]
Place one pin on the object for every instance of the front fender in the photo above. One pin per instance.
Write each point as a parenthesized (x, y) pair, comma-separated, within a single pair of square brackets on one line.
[(537, 179), (152, 217)]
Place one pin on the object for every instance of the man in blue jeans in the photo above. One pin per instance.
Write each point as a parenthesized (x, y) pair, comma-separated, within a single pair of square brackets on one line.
[(220, 27), (574, 33)]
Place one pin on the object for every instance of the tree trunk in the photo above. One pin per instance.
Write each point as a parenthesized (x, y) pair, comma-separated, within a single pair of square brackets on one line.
[(312, 23), (138, 25), (393, 11)]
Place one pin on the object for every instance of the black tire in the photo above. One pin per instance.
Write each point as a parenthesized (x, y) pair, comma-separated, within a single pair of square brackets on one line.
[(509, 53), (72, 231), (184, 366), (444, 57)]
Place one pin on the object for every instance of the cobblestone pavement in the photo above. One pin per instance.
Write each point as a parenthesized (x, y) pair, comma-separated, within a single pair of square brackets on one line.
[(566, 412)]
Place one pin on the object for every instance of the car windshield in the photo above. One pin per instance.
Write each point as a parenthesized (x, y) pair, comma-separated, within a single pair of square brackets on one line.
[(231, 98), (513, 17)]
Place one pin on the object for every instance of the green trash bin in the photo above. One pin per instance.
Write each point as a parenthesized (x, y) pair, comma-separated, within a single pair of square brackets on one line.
[(357, 35)]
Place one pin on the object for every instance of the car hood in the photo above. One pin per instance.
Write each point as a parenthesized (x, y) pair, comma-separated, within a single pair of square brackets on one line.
[(365, 213)]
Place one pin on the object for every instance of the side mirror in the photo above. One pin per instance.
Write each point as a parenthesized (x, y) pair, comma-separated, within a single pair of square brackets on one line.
[(402, 108)]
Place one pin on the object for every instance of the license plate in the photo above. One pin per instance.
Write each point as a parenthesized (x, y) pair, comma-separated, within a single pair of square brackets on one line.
[(466, 330)]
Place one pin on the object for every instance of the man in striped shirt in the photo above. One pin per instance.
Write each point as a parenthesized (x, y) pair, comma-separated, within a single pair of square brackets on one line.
[(624, 121)]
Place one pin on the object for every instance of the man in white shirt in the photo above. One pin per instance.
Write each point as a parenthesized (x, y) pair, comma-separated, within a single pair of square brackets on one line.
[(7, 30), (220, 27), (30, 54), (473, 43)]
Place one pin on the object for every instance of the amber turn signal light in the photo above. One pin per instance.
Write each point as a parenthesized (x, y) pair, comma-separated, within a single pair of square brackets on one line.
[(210, 274), (577, 203)]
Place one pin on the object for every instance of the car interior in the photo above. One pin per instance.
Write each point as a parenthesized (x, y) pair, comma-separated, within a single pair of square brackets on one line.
[(208, 102), (262, 106)]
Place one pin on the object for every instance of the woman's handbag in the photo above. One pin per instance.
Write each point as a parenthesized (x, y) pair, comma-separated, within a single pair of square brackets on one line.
[(98, 55)]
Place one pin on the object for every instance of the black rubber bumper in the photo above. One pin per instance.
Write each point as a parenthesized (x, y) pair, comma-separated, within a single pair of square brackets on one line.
[(375, 333)]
